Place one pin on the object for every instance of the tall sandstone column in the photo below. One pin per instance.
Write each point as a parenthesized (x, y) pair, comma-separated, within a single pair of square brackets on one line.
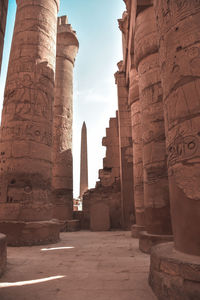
[(3, 16), (62, 178), (156, 192), (179, 33), (134, 101), (84, 162), (26, 129), (125, 146)]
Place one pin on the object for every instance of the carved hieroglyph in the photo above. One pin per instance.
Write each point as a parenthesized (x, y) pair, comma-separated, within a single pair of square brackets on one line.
[(3, 16), (178, 26), (26, 129), (62, 174)]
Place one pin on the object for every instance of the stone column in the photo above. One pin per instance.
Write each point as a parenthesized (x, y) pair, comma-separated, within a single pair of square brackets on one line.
[(26, 129), (156, 194), (62, 178), (125, 146), (134, 101), (3, 16), (178, 25), (84, 162)]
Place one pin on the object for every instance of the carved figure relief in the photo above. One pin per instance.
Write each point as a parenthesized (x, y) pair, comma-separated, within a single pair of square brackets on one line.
[(25, 102)]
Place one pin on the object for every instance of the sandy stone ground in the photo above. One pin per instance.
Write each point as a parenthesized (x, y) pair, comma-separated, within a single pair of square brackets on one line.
[(82, 266)]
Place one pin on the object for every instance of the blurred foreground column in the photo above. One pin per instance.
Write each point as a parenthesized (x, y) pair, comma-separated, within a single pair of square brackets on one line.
[(175, 268)]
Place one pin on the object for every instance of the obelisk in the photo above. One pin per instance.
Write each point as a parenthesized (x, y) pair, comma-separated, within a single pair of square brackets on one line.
[(62, 173), (26, 130), (84, 162), (3, 17)]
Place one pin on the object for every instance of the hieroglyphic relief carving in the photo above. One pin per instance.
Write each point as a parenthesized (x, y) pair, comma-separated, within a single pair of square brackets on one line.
[(183, 148), (26, 101), (29, 132)]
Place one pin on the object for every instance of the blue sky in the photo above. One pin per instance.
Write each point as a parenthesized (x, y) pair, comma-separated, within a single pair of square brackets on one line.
[(95, 93)]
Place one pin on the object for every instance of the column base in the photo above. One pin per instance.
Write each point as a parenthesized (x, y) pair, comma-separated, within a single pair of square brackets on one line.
[(30, 233), (135, 230), (147, 241), (173, 274), (3, 253)]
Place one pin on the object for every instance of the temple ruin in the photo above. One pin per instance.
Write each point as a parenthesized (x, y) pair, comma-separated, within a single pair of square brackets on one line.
[(149, 183)]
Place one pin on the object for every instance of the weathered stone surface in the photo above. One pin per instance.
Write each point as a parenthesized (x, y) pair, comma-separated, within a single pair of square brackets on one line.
[(174, 275), (84, 162), (99, 217), (156, 190), (179, 34), (26, 128), (3, 253), (62, 172), (30, 233), (3, 16)]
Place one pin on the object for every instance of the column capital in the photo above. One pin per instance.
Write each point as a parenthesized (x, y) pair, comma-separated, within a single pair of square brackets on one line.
[(120, 75), (63, 27), (67, 39), (123, 22), (128, 5)]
